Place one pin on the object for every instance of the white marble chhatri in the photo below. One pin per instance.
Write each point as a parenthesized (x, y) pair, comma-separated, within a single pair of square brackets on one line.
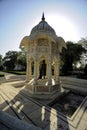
[(42, 49)]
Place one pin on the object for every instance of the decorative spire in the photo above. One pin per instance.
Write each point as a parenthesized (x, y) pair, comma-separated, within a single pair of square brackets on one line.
[(43, 18)]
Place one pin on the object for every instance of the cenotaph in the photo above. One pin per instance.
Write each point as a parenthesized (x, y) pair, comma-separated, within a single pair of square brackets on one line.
[(43, 49)]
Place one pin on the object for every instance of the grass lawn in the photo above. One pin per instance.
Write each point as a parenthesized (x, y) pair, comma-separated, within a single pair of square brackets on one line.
[(1, 74), (16, 72)]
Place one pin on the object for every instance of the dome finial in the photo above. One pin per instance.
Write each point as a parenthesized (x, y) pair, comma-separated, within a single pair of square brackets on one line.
[(43, 18)]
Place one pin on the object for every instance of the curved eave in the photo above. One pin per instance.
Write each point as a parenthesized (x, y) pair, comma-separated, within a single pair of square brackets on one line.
[(61, 43), (25, 43)]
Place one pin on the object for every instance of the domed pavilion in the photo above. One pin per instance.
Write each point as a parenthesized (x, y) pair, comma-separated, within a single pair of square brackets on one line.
[(42, 49)]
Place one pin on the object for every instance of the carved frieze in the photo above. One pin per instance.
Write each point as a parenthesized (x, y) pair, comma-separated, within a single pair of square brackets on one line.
[(42, 49), (42, 42)]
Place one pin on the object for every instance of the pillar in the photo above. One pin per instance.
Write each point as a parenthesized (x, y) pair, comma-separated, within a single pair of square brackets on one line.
[(57, 70), (35, 72), (27, 72), (50, 77)]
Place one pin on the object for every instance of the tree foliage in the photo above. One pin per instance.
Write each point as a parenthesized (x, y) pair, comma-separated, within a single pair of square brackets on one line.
[(14, 59), (10, 60), (71, 55), (83, 43), (21, 59), (0, 58), (1, 67)]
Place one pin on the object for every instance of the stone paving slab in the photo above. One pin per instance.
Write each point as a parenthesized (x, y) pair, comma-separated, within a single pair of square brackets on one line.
[(13, 123)]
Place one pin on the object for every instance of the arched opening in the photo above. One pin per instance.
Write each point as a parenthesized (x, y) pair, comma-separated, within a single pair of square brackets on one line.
[(42, 70), (52, 69), (32, 68)]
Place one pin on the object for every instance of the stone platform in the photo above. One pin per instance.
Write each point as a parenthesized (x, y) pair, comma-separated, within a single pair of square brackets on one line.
[(43, 90), (17, 103)]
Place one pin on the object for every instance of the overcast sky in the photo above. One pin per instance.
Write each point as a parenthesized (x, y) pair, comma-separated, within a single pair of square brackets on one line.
[(18, 17)]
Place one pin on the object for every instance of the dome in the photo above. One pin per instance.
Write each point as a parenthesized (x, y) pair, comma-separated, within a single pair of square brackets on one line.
[(43, 26)]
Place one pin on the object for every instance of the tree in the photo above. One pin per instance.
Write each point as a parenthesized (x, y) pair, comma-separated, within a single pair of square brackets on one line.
[(83, 43), (1, 67), (0, 58), (71, 55), (21, 59), (10, 60)]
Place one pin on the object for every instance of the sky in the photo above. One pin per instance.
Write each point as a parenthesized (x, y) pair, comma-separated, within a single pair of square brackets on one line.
[(17, 18)]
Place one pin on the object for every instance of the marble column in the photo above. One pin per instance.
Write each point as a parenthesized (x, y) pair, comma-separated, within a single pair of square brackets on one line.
[(50, 77), (35, 72), (57, 71), (27, 72)]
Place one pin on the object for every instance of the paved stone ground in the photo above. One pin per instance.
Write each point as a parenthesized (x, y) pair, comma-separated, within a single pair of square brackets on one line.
[(19, 104), (68, 103)]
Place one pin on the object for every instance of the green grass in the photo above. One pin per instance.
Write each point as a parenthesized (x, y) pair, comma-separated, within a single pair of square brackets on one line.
[(1, 74), (16, 72)]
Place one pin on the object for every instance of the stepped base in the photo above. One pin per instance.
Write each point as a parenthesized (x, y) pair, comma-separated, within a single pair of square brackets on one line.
[(43, 89)]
